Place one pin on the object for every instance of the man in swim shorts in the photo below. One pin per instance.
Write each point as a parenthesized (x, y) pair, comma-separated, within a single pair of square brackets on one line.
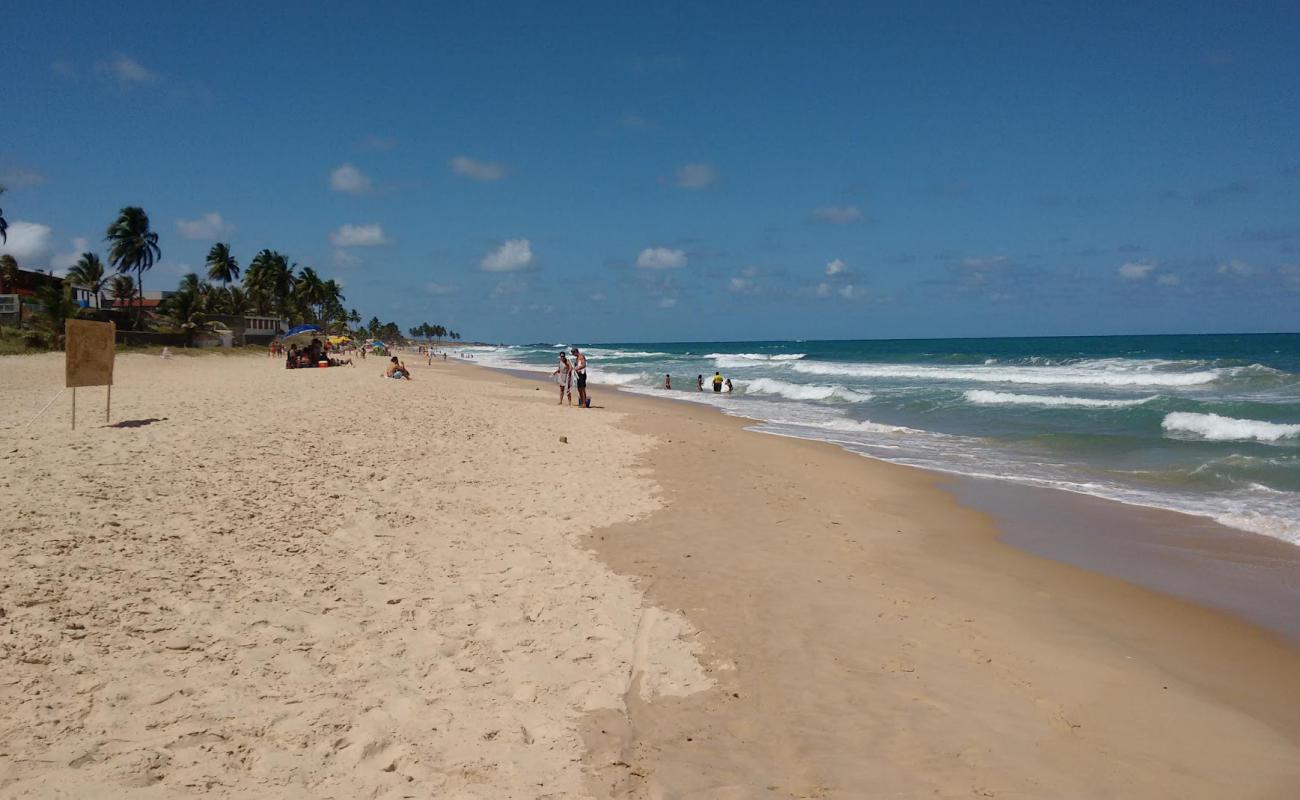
[(397, 369), (580, 372)]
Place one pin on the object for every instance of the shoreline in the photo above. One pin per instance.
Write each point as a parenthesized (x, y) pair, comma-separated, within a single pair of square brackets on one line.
[(875, 632), (471, 591), (1251, 575)]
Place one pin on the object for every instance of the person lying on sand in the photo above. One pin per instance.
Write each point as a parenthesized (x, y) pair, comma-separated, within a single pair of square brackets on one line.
[(396, 369)]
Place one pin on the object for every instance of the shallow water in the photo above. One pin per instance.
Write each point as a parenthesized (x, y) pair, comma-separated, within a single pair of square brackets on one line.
[(1208, 425)]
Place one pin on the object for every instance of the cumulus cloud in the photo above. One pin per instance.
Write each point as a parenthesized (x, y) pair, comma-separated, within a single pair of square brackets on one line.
[(1136, 270), (849, 291), (1237, 268), (208, 226), (377, 144), (984, 263), (359, 236), (481, 171), (63, 261), (695, 176), (513, 254), (19, 178), (28, 243), (661, 258), (838, 215), (741, 285), (349, 179), (836, 267), (127, 70)]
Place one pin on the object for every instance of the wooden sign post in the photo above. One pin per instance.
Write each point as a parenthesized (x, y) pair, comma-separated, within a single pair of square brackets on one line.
[(88, 359)]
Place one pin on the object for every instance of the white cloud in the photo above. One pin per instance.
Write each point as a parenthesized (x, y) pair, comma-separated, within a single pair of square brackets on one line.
[(208, 226), (64, 261), (849, 291), (984, 263), (695, 176), (667, 302), (482, 171), (438, 288), (359, 236), (28, 243), (513, 254), (349, 179), (838, 215), (635, 122), (19, 178), (127, 70), (823, 289), (741, 285), (1168, 279), (1236, 267), (377, 144), (1136, 270), (344, 259), (836, 267), (661, 258)]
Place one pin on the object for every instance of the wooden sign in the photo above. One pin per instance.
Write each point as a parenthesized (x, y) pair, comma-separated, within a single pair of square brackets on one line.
[(89, 356)]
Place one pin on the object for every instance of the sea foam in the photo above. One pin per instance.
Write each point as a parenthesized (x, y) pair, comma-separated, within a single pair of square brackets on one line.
[(985, 397), (1227, 429), (802, 391), (1042, 376)]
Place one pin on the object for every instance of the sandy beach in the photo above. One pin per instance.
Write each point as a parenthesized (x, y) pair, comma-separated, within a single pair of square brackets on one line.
[(318, 583)]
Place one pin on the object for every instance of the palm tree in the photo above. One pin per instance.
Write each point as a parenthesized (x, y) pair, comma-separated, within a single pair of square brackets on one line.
[(184, 311), (308, 290), (237, 301), (4, 226), (8, 273), (269, 281), (122, 287), (89, 274), (133, 247), (57, 307), (222, 266)]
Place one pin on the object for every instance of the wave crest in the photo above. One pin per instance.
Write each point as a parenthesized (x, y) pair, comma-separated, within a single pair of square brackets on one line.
[(1227, 429), (985, 397), (803, 391)]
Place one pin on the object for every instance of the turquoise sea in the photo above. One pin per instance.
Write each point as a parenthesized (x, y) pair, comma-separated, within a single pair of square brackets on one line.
[(1208, 425)]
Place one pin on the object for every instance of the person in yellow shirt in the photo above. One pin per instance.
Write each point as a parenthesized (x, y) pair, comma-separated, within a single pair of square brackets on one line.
[(717, 382)]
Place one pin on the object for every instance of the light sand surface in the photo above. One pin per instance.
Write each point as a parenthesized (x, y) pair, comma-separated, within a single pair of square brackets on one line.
[(320, 583), (312, 583)]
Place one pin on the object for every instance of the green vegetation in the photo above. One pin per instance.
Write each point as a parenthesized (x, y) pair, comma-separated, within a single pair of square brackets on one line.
[(272, 285)]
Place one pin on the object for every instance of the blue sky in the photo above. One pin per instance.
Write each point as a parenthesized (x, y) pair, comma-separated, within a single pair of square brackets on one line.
[(610, 172)]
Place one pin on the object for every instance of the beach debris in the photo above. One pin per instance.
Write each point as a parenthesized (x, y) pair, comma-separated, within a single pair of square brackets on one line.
[(564, 440)]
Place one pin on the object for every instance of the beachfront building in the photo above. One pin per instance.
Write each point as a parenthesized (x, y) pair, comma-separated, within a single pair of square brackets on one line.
[(18, 300)]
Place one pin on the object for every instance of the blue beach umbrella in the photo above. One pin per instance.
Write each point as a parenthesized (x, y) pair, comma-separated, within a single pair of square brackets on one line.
[(302, 333)]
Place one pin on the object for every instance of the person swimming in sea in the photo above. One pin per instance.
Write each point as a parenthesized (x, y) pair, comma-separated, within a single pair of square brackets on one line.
[(699, 383)]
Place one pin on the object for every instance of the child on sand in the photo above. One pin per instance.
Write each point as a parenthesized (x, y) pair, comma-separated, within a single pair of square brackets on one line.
[(563, 375)]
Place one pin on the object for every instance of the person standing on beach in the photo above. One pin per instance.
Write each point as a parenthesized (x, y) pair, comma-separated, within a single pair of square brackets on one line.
[(580, 368), (563, 375), (668, 381), (717, 382)]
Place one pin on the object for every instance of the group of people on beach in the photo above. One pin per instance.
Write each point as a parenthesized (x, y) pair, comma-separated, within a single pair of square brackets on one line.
[(316, 354), (567, 373), (719, 383)]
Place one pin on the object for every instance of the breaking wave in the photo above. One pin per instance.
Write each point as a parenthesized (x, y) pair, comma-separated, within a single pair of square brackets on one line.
[(1227, 429)]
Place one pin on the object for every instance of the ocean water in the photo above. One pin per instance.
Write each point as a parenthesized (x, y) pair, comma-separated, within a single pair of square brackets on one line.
[(1208, 425)]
